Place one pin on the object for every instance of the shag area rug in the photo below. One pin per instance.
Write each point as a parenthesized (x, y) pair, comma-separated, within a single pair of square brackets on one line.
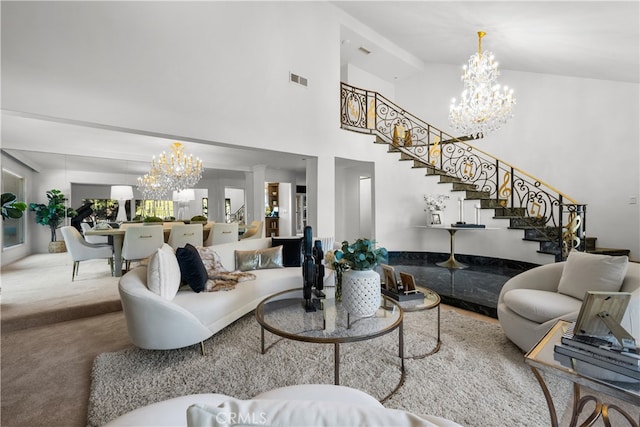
[(478, 378)]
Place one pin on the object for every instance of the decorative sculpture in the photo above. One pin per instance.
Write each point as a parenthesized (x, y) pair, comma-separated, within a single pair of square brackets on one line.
[(307, 269), (318, 269)]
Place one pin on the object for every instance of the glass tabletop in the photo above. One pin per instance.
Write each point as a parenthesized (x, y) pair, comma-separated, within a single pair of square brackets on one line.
[(283, 314), (430, 300)]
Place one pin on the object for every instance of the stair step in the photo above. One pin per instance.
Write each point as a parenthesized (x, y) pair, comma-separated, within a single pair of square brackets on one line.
[(492, 203), (477, 195), (510, 212), (449, 179), (463, 186), (539, 234), (610, 251), (526, 222)]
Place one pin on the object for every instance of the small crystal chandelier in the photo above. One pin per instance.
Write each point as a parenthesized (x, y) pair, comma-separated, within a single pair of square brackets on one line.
[(151, 187), (177, 171), (484, 104)]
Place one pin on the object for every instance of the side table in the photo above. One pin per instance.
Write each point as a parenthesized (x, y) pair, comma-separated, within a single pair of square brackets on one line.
[(541, 358), (430, 301)]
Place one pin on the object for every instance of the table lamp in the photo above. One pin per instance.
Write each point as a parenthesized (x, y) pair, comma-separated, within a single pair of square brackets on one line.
[(183, 197), (121, 193)]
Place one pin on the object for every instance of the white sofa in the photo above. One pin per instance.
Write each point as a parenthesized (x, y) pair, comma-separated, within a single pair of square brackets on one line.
[(155, 323), (299, 405), (539, 304)]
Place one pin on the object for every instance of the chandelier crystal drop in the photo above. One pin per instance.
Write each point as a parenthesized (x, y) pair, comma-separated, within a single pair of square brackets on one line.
[(484, 105), (176, 171)]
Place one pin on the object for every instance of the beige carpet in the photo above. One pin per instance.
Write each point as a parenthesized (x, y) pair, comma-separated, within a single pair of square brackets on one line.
[(38, 290), (478, 378), (52, 329)]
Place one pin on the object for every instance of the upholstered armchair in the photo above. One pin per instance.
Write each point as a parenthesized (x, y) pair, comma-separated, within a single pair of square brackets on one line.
[(181, 234), (80, 250), (530, 303)]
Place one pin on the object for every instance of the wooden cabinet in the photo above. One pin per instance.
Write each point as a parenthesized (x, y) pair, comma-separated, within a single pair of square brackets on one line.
[(271, 221)]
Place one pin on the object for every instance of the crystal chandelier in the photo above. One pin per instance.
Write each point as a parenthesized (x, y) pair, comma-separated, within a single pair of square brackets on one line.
[(176, 171), (484, 104), (151, 187)]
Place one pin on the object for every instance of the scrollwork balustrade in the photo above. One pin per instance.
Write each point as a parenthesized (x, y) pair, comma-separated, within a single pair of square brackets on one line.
[(543, 207)]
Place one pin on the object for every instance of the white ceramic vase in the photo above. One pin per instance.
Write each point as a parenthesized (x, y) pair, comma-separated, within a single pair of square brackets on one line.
[(361, 292)]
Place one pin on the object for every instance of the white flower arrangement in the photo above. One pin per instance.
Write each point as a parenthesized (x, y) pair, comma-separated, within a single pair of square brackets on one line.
[(435, 203)]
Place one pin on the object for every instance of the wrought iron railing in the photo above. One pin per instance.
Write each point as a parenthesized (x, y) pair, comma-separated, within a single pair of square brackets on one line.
[(542, 207)]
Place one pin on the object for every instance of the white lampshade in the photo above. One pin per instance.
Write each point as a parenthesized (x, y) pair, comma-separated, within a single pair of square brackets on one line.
[(121, 192), (184, 195)]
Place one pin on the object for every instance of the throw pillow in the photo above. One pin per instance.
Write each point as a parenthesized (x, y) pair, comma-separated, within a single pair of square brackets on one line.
[(191, 268), (272, 412), (219, 278), (291, 250), (584, 272), (259, 259), (163, 273), (211, 260)]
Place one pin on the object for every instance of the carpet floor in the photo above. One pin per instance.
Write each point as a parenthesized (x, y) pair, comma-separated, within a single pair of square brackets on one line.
[(38, 290), (478, 378)]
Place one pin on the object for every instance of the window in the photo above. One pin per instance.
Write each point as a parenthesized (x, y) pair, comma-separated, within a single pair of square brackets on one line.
[(13, 229), (160, 208)]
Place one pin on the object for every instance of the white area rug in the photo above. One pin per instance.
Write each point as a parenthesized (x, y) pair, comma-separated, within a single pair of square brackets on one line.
[(478, 378)]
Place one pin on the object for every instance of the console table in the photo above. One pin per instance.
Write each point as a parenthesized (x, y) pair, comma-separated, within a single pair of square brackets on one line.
[(452, 262)]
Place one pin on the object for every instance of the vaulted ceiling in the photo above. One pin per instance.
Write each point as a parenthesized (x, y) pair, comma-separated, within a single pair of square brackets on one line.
[(589, 39)]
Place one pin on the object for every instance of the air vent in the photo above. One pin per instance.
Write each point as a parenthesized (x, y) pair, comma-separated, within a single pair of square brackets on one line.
[(294, 78), (364, 50)]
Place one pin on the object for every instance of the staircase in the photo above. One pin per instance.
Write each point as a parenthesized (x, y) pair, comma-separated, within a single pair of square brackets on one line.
[(543, 213)]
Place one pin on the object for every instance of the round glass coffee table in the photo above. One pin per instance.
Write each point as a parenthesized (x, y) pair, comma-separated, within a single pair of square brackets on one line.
[(283, 314), (430, 301)]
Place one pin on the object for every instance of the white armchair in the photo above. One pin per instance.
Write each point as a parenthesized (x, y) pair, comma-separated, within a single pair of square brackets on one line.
[(529, 304), (92, 239), (181, 234), (80, 250)]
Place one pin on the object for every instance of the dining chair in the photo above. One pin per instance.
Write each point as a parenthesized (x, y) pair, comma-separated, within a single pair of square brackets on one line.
[(222, 232), (253, 231), (81, 250), (140, 242), (181, 234), (93, 239)]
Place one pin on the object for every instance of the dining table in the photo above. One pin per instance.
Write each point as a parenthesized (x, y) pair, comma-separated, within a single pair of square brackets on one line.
[(118, 240)]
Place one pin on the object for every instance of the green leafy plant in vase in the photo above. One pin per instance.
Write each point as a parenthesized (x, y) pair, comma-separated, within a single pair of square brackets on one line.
[(360, 283), (53, 215)]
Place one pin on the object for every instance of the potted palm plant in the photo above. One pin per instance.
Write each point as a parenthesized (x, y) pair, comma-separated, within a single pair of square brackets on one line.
[(52, 215), (361, 283)]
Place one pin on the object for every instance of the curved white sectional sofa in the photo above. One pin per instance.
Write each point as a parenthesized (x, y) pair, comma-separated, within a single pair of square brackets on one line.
[(155, 323)]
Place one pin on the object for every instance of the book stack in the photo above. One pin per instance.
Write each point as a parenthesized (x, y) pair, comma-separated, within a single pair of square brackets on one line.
[(603, 352)]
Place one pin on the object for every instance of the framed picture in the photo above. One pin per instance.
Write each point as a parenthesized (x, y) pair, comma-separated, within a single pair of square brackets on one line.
[(408, 283), (595, 302), (390, 281), (435, 219)]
